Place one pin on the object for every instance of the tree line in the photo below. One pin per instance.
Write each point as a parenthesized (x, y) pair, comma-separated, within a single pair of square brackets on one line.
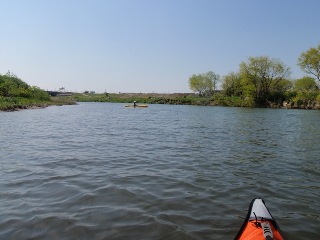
[(263, 80)]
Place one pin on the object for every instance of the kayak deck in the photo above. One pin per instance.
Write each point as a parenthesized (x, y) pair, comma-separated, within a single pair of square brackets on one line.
[(259, 224)]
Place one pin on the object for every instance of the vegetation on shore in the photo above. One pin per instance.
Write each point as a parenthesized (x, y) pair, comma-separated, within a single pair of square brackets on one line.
[(265, 82), (146, 98), (218, 99), (260, 82), (15, 94)]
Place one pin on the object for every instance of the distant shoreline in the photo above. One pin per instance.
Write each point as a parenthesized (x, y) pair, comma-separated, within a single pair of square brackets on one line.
[(217, 99), (150, 98)]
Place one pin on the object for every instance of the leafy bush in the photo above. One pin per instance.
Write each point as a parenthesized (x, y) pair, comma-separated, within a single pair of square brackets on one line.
[(12, 86)]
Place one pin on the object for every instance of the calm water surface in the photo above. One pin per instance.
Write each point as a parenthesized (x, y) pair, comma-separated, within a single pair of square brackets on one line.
[(101, 171)]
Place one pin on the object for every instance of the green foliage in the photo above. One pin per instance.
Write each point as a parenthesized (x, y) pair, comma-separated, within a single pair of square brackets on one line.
[(37, 93), (13, 103), (204, 83), (282, 86), (230, 101), (305, 84), (260, 76), (289, 95), (16, 94), (309, 61), (305, 98), (231, 84), (278, 91), (12, 86), (305, 93)]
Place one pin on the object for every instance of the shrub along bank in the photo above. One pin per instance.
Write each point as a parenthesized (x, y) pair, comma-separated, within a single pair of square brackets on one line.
[(15, 94)]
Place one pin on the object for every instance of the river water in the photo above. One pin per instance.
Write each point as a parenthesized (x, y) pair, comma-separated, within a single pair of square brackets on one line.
[(102, 171)]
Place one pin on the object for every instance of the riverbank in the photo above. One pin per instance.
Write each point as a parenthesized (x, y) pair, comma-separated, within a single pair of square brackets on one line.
[(16, 94), (10, 104), (162, 98), (217, 99), (14, 104)]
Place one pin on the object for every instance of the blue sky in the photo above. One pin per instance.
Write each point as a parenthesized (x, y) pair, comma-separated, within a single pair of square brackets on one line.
[(148, 45)]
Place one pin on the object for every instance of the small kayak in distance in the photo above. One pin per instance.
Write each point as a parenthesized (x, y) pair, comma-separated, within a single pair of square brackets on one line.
[(137, 106), (259, 224)]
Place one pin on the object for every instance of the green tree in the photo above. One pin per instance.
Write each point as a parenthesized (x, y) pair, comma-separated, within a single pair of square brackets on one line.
[(212, 78), (282, 86), (231, 84), (309, 61), (260, 75), (280, 91), (204, 83), (305, 84)]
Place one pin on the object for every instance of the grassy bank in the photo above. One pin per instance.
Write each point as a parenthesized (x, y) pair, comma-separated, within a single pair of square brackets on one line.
[(293, 101), (154, 98), (18, 103)]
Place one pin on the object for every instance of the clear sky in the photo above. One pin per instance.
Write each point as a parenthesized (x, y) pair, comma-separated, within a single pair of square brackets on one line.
[(148, 45)]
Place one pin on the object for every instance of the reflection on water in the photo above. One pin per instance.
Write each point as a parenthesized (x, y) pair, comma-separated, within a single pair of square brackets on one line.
[(102, 171)]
